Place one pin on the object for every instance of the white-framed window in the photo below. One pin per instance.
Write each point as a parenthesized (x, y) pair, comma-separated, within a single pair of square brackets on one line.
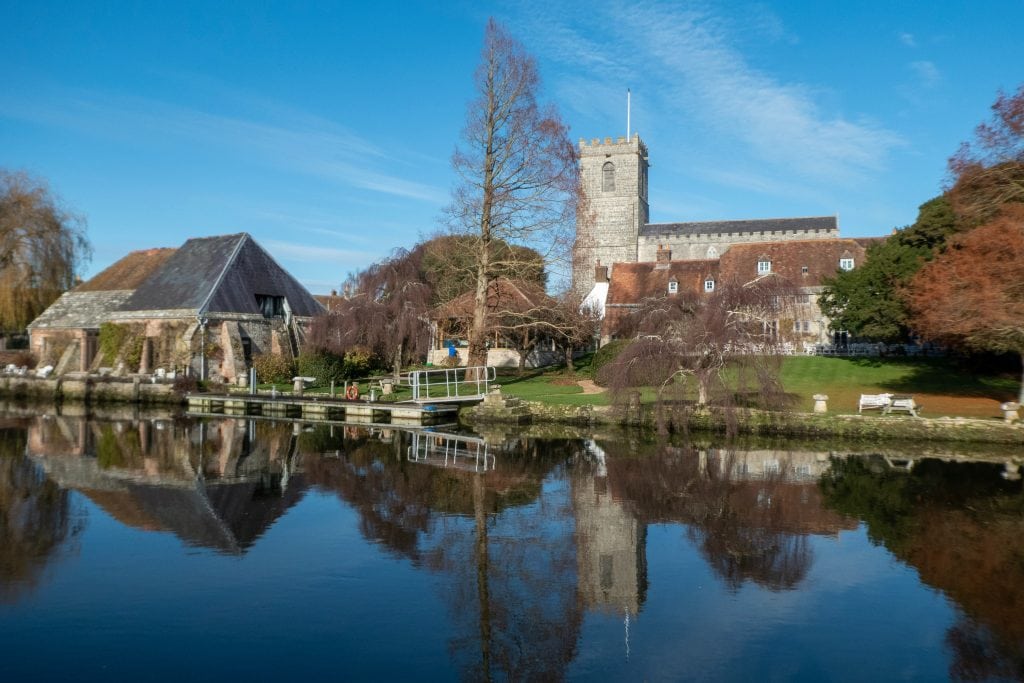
[(846, 264), (608, 177), (712, 252), (673, 286), (764, 266), (709, 285)]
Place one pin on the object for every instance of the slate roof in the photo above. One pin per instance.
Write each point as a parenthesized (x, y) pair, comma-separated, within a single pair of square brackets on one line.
[(80, 310), (220, 274), (752, 225), (90, 303)]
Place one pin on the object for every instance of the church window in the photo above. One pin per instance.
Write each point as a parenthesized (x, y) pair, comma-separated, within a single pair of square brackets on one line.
[(673, 286), (608, 180), (712, 252), (709, 285), (764, 265), (846, 264)]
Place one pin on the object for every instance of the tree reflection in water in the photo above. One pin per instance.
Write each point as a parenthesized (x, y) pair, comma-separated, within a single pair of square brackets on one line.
[(961, 525), (509, 567), (36, 518), (749, 514)]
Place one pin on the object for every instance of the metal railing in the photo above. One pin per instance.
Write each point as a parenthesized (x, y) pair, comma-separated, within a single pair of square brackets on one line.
[(468, 453), (451, 384)]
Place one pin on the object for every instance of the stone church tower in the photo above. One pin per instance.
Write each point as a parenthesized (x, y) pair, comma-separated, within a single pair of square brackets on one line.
[(613, 175)]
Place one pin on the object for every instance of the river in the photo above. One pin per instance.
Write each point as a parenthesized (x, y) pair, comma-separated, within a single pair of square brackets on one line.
[(159, 548)]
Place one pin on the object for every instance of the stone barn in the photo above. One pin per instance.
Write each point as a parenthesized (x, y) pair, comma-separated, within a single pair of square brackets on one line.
[(206, 308)]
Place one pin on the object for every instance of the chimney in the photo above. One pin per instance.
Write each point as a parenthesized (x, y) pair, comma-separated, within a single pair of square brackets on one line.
[(664, 254), (600, 273)]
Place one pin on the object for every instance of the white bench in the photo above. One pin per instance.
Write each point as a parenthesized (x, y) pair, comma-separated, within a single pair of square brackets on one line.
[(874, 402), (905, 403)]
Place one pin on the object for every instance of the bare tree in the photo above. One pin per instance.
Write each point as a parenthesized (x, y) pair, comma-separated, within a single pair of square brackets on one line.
[(42, 244), (517, 173)]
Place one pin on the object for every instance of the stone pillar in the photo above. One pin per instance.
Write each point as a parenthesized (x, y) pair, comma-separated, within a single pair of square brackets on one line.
[(820, 403), (1009, 409), (298, 386)]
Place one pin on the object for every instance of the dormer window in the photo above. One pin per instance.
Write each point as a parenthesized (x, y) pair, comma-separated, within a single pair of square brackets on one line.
[(673, 286), (846, 264), (764, 265), (608, 177), (709, 285)]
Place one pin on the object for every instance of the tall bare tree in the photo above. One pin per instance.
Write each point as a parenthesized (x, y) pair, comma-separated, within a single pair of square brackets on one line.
[(517, 173), (42, 244)]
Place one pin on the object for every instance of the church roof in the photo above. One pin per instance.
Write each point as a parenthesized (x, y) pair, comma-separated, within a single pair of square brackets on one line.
[(631, 283), (757, 225), (804, 263)]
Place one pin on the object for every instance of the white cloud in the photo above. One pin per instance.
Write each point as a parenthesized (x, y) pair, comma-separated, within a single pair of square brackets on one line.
[(305, 252), (907, 39), (299, 142), (693, 72)]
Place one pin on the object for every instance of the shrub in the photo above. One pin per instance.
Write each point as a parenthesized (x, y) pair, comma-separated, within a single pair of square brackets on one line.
[(272, 368), (185, 384), (360, 363), (605, 355), (323, 365)]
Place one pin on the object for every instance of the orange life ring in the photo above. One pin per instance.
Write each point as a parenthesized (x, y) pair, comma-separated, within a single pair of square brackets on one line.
[(352, 392)]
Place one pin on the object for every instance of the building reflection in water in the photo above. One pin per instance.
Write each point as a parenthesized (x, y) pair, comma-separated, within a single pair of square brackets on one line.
[(217, 485), (531, 536)]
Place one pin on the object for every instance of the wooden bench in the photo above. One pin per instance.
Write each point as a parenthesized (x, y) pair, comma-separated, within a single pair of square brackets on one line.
[(874, 402)]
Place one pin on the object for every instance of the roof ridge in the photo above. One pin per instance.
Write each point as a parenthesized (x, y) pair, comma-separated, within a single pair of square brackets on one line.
[(746, 220), (224, 270)]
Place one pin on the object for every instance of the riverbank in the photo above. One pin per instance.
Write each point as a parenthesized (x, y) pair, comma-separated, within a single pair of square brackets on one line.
[(504, 410)]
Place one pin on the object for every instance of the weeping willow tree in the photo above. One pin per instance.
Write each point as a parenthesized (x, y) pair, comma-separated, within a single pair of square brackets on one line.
[(42, 244)]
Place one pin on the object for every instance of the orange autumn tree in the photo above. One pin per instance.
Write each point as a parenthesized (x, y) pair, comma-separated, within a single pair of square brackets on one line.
[(988, 171), (972, 295)]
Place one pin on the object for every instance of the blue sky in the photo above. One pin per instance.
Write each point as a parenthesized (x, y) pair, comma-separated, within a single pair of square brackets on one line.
[(325, 130)]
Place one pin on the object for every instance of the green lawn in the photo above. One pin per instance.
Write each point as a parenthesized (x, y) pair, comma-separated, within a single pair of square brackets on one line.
[(938, 384)]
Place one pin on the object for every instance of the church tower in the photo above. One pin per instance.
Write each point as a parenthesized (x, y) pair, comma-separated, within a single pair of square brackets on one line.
[(613, 175)]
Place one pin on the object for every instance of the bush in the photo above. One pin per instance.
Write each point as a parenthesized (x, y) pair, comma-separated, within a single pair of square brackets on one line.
[(273, 368), (185, 384), (605, 355), (323, 365), (124, 341), (360, 363)]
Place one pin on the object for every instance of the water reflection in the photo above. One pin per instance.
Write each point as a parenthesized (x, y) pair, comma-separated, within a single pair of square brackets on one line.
[(961, 525), (36, 518), (530, 538)]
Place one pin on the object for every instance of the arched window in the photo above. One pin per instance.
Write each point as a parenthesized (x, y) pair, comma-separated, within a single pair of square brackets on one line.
[(608, 181), (712, 252)]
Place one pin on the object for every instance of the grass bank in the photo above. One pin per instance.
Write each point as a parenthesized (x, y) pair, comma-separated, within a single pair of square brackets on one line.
[(940, 385)]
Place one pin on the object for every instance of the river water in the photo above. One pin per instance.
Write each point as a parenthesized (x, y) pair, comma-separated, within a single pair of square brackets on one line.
[(170, 549)]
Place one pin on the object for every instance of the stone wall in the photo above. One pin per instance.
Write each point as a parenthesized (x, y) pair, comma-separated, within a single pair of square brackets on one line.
[(90, 390)]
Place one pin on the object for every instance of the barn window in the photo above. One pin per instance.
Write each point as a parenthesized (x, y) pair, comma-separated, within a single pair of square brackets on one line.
[(608, 181), (270, 306)]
